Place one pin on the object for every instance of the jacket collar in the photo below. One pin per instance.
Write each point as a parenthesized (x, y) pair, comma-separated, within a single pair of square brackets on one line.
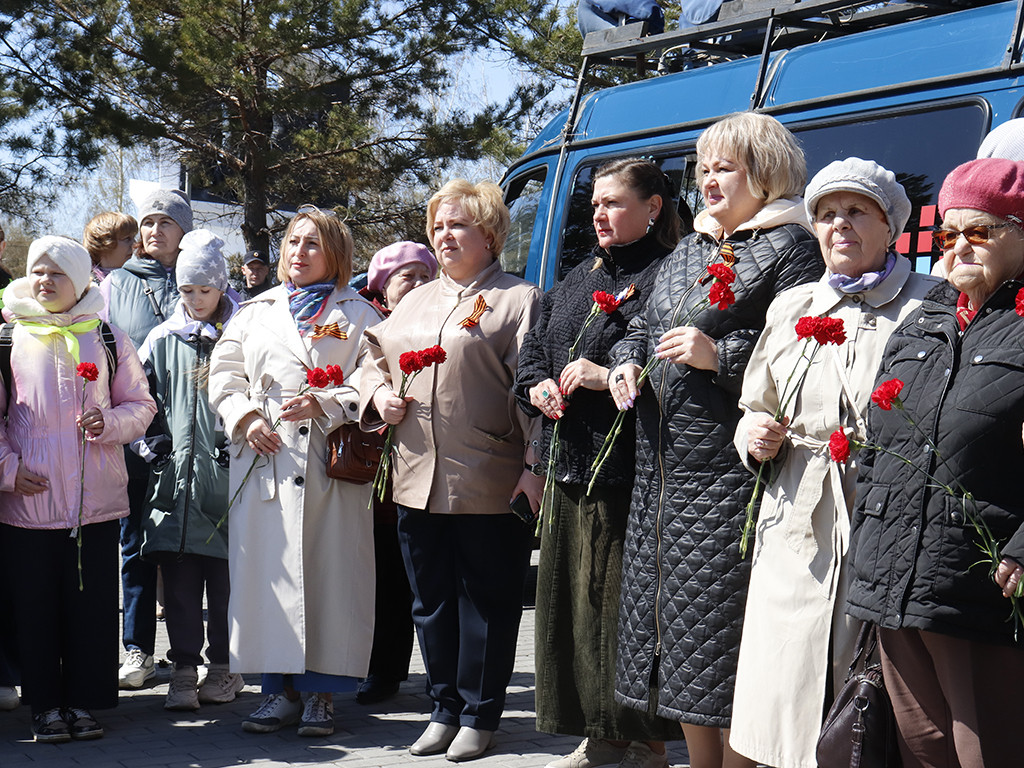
[(19, 304), (634, 257), (146, 267), (287, 331), (826, 297), (785, 210)]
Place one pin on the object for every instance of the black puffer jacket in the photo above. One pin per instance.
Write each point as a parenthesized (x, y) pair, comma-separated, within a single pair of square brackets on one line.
[(683, 581), (911, 550), (545, 352)]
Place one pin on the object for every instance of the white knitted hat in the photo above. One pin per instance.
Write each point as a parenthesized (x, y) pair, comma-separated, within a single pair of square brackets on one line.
[(67, 254)]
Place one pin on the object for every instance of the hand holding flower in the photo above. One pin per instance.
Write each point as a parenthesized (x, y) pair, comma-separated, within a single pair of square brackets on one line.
[(258, 434), (765, 436), (687, 345), (547, 398), (390, 406), (92, 422), (301, 407), (583, 373), (626, 389), (1009, 574)]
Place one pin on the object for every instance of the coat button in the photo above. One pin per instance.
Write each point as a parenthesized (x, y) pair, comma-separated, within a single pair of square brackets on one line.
[(303, 430), (353, 407), (878, 506), (920, 355), (299, 480), (978, 358), (898, 617), (955, 518)]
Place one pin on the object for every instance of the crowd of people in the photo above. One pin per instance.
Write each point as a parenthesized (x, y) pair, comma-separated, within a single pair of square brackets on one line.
[(631, 417)]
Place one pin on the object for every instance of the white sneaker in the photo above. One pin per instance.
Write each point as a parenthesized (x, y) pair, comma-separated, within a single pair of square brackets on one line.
[(8, 698), (220, 686), (639, 755), (591, 753), (136, 670), (181, 693), (273, 714), (317, 717)]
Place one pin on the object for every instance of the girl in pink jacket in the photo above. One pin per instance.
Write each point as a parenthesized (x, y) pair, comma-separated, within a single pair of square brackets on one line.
[(63, 484)]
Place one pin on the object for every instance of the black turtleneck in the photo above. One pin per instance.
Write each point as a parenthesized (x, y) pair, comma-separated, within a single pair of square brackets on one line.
[(545, 352)]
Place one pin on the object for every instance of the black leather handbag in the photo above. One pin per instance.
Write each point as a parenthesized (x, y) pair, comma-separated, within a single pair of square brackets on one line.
[(860, 730)]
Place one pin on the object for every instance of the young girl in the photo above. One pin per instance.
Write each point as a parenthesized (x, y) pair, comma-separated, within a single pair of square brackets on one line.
[(188, 492), (62, 470)]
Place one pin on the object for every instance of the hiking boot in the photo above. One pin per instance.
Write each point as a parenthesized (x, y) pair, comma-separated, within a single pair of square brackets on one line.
[(181, 693), (81, 724), (136, 670), (220, 686), (273, 714), (591, 753), (317, 717), (50, 727)]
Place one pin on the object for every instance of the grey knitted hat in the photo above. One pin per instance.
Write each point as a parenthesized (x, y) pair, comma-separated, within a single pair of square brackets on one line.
[(169, 202), (864, 177), (200, 260), (67, 254), (1005, 141)]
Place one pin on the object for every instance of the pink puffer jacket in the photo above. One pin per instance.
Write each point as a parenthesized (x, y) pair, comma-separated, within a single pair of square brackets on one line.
[(46, 399)]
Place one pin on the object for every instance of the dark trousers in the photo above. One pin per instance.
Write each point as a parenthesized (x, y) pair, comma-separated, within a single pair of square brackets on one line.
[(9, 674), (467, 574), (392, 628), (67, 639), (138, 576), (185, 579)]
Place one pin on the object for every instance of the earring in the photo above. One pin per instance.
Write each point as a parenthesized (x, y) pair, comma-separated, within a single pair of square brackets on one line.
[(650, 224)]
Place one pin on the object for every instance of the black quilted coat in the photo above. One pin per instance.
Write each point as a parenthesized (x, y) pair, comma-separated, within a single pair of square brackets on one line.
[(911, 549), (545, 352), (684, 584)]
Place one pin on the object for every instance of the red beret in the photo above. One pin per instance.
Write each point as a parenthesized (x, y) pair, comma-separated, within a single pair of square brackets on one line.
[(989, 184)]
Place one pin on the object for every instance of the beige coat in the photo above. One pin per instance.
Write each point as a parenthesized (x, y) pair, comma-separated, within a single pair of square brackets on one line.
[(459, 449), (797, 582), (301, 544)]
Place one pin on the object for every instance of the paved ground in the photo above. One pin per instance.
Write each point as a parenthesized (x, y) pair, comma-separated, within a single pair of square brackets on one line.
[(141, 734)]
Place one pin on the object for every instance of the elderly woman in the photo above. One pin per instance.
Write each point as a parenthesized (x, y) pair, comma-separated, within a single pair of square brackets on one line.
[(684, 583), (947, 639), (797, 580), (394, 271), (581, 540), (301, 547), (461, 444)]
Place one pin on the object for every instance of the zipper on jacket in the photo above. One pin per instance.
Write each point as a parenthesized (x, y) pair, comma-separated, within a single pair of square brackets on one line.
[(190, 475)]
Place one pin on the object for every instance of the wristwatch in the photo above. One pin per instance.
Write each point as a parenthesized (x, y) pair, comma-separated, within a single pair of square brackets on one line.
[(538, 469)]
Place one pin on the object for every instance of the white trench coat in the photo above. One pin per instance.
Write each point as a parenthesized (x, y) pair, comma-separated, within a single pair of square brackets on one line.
[(797, 581), (300, 543)]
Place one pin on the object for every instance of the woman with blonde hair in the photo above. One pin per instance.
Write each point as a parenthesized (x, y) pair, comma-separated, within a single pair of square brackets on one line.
[(300, 553), (683, 580), (109, 238), (460, 448)]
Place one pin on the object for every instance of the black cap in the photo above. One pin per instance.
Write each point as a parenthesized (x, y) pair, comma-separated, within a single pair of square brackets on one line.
[(257, 256)]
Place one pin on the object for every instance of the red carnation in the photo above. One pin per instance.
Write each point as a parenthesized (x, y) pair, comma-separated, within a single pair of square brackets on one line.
[(1019, 308), (839, 447), (410, 363), (721, 294), (606, 301), (888, 394), (317, 377), (824, 330), (432, 355), (88, 371), (723, 272), (336, 375)]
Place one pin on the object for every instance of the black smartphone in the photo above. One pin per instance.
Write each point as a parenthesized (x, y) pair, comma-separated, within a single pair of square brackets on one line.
[(521, 508)]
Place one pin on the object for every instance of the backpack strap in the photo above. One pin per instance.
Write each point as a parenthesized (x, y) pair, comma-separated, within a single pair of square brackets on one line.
[(148, 290), (6, 346), (108, 341)]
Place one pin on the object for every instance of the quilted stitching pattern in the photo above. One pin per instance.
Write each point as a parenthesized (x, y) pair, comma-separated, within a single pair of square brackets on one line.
[(683, 579)]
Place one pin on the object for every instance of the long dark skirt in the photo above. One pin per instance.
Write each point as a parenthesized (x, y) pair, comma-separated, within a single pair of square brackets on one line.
[(578, 584)]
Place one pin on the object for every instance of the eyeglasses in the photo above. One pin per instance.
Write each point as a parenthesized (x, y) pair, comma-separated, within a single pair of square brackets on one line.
[(945, 239)]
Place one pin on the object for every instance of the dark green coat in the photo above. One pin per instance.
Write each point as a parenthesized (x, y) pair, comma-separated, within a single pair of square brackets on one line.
[(188, 493)]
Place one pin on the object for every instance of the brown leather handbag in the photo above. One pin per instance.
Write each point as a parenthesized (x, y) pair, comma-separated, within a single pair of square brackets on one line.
[(353, 455)]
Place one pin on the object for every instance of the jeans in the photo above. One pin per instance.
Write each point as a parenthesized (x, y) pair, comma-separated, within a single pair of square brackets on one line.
[(138, 578)]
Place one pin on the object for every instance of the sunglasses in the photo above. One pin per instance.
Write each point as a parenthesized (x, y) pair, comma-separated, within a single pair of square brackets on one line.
[(945, 239)]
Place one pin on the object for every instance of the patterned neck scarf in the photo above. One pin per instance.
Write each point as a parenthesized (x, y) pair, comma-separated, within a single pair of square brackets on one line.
[(964, 313), (867, 281), (307, 303)]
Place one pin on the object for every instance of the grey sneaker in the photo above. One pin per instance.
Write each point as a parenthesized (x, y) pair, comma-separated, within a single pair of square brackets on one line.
[(136, 670), (591, 753), (317, 717), (220, 686), (639, 755), (181, 693), (273, 714)]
